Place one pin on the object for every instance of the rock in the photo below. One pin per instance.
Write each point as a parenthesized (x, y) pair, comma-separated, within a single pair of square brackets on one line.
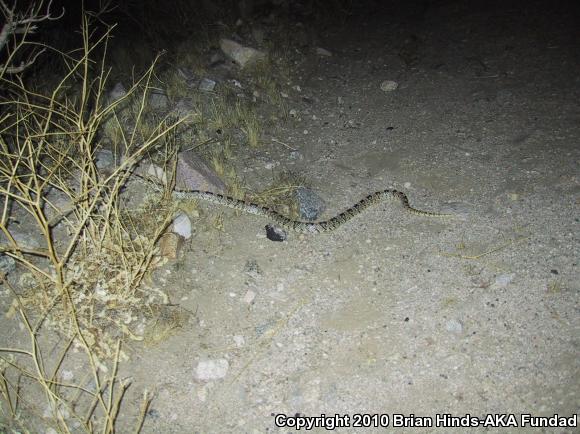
[(208, 370), (389, 85), (504, 280), (274, 233), (104, 159), (157, 172), (243, 56), (454, 326), (50, 412), (27, 240), (216, 59), (158, 99), (170, 244), (323, 52), (249, 297), (188, 76), (182, 225), (311, 205), (194, 174), (7, 264), (116, 93), (184, 107), (67, 375), (206, 85), (239, 340)]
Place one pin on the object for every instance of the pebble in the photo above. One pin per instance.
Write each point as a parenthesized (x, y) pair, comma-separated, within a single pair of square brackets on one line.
[(323, 52), (158, 99), (274, 233), (504, 280), (206, 85), (117, 92), (311, 205), (249, 297), (182, 225), (104, 158), (7, 264), (389, 85), (239, 340), (454, 326)]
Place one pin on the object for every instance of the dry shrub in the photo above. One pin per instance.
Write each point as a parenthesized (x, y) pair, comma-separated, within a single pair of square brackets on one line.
[(85, 280)]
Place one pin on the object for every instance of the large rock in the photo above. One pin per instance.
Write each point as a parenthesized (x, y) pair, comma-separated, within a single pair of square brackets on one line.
[(243, 56)]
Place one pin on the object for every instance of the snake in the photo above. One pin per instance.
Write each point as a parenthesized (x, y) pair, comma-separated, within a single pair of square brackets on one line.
[(300, 226)]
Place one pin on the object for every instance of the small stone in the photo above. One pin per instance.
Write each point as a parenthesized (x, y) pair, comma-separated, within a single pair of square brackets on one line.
[(216, 59), (249, 297), (157, 173), (271, 164), (323, 52), (170, 244), (311, 205), (26, 240), (274, 233), (194, 174), (208, 370), (7, 264), (158, 99), (504, 280), (104, 158), (206, 85), (239, 341), (153, 414), (67, 375), (184, 107), (182, 225), (49, 412), (117, 92), (389, 85), (454, 326)]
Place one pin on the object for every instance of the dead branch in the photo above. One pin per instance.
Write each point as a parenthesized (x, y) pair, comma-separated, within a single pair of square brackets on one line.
[(21, 24)]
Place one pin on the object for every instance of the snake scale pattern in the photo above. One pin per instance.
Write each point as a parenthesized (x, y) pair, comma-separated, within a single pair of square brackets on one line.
[(298, 226)]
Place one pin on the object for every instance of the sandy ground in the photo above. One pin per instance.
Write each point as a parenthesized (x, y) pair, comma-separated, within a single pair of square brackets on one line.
[(395, 313)]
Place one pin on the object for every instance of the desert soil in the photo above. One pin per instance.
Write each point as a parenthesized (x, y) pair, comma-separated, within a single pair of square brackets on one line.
[(395, 313)]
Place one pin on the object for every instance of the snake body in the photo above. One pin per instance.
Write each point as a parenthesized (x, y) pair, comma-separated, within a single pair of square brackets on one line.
[(304, 227)]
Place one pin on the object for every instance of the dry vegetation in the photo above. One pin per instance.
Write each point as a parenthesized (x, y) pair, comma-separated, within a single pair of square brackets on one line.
[(79, 293), (84, 279)]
